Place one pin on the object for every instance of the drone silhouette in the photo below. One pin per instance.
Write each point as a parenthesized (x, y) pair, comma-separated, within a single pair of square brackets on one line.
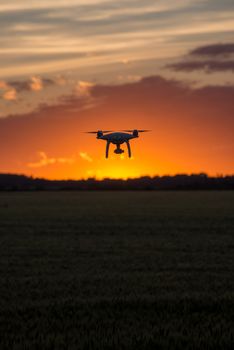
[(117, 138)]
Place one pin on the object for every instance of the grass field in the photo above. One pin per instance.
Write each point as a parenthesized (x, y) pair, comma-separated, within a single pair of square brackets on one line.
[(117, 270)]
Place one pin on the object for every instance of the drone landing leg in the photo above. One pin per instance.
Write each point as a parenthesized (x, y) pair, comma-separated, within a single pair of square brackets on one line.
[(107, 148), (129, 149)]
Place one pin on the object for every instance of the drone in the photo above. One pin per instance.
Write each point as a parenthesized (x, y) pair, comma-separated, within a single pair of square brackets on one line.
[(117, 138)]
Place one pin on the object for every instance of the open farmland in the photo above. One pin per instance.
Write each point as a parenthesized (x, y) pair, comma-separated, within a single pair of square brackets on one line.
[(117, 270)]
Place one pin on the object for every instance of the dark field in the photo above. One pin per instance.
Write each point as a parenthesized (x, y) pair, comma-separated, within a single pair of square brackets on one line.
[(117, 270)]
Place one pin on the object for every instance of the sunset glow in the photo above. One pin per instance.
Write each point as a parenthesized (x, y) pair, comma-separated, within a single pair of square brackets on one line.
[(72, 66)]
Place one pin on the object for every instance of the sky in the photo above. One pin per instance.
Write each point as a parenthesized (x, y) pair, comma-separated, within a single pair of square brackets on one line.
[(71, 66)]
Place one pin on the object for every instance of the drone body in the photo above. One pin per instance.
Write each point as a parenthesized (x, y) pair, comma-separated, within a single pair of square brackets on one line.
[(117, 138)]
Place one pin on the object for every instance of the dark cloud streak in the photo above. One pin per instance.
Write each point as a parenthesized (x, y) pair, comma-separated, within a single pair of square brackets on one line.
[(221, 59), (207, 66), (214, 50)]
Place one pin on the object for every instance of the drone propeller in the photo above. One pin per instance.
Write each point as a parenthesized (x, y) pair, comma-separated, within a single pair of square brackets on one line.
[(95, 132), (136, 130)]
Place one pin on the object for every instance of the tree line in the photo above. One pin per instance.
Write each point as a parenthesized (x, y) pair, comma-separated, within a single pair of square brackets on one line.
[(13, 182)]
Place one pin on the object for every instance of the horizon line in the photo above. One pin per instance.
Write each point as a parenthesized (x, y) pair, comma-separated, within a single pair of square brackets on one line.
[(204, 174)]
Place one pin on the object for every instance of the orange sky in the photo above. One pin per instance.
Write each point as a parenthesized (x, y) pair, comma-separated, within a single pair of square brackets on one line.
[(87, 65), (192, 131)]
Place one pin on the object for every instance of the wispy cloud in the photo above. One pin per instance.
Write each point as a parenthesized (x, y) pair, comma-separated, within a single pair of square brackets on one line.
[(36, 84), (83, 89), (95, 5), (8, 92), (3, 85), (15, 5), (10, 95), (107, 42), (85, 156), (79, 33), (45, 161), (209, 58)]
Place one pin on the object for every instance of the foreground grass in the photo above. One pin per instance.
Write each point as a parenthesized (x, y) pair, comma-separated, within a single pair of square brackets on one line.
[(135, 270)]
